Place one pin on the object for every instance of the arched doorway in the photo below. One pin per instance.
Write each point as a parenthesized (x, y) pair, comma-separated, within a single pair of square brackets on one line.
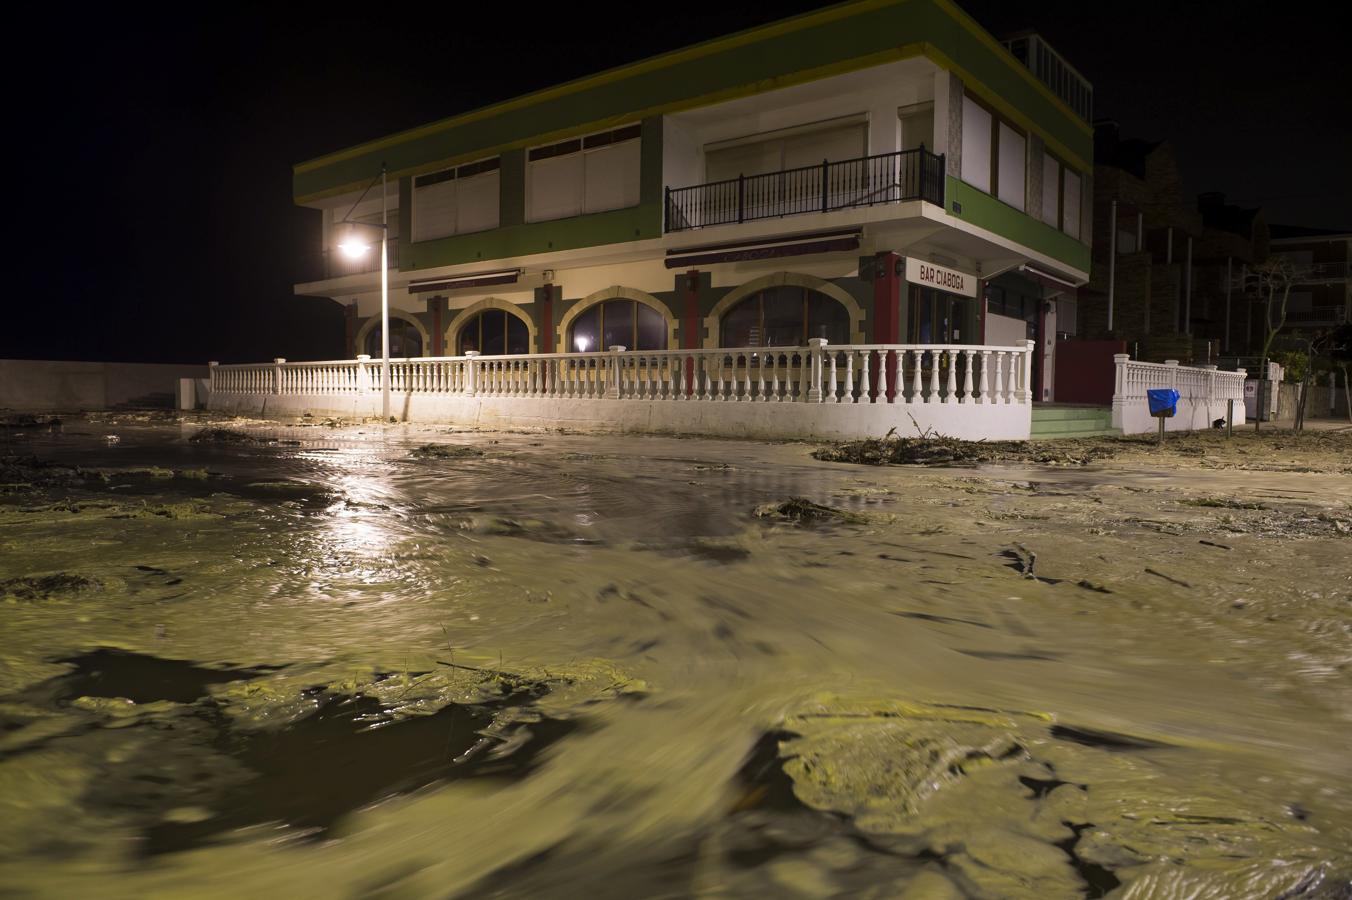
[(620, 321), (405, 339), (784, 315), (493, 332)]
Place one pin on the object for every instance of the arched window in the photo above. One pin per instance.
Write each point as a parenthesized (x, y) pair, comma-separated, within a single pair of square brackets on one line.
[(494, 332), (784, 316), (622, 322), (405, 340)]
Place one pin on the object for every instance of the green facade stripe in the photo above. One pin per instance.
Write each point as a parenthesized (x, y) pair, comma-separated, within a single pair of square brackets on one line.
[(841, 39), (984, 211), (616, 226)]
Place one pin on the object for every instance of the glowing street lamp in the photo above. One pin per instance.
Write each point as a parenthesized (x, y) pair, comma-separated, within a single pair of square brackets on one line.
[(354, 246)]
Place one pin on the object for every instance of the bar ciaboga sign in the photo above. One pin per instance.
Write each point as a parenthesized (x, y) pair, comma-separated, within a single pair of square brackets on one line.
[(940, 277)]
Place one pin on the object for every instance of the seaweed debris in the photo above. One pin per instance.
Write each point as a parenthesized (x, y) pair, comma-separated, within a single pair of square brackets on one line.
[(30, 589), (445, 451), (938, 450), (799, 509), (28, 420), (222, 436)]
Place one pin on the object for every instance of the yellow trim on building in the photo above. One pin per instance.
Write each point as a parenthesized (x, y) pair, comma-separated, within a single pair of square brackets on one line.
[(720, 44), (662, 60)]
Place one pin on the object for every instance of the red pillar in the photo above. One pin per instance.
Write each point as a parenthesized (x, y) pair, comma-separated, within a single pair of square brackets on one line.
[(437, 306), (547, 318), (350, 328), (886, 312), (690, 325)]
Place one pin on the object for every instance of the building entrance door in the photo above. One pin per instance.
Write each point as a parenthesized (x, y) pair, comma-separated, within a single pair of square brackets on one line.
[(936, 317)]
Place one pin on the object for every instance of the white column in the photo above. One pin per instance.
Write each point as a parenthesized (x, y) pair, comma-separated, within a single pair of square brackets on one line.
[(1187, 291), (1112, 259), (816, 347), (277, 375)]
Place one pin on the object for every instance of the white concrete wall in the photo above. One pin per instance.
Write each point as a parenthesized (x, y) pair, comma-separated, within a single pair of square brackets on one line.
[(1005, 331), (1191, 415), (745, 419), (55, 385)]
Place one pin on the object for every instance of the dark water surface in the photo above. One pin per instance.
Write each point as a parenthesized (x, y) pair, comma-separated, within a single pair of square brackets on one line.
[(320, 663)]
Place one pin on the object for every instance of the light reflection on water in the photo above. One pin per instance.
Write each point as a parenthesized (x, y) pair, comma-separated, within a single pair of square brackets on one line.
[(340, 556)]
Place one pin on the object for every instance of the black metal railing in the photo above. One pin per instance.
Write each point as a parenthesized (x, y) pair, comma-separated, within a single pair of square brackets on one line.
[(338, 264), (866, 181)]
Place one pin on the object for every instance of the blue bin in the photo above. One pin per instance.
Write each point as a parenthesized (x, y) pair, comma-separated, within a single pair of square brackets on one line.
[(1163, 401)]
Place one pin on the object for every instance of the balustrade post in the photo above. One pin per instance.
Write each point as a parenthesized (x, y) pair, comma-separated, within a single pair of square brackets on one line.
[(1120, 389), (817, 348), (211, 377), (967, 377), (363, 373), (1210, 382), (1026, 391), (985, 386), (613, 373), (277, 374), (1173, 373), (471, 373)]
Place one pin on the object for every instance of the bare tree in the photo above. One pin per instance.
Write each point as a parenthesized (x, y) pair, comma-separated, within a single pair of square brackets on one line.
[(1270, 282), (1340, 353)]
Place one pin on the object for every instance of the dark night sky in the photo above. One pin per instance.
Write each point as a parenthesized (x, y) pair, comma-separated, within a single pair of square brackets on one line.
[(158, 148)]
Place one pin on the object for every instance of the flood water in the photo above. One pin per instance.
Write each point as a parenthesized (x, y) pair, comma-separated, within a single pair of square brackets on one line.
[(321, 662)]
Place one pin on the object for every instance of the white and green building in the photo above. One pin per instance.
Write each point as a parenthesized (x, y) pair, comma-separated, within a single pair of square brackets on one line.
[(879, 172)]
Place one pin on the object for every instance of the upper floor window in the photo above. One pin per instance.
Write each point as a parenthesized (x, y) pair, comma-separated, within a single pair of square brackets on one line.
[(1060, 196), (458, 200), (583, 175), (784, 316), (836, 140), (994, 154), (622, 322), (1070, 202)]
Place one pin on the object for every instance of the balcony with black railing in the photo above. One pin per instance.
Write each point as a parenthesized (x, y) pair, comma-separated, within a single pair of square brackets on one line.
[(827, 187)]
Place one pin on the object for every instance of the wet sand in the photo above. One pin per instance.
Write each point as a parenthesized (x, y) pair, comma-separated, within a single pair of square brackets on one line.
[(317, 661)]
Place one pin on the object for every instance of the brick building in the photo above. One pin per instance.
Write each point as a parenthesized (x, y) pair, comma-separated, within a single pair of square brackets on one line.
[(1172, 263)]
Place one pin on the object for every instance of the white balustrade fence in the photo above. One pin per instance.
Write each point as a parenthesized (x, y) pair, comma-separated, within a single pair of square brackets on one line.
[(917, 377), (1204, 392)]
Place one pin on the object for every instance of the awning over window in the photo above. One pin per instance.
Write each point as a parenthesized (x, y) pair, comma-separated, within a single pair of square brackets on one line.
[(769, 248), (476, 279)]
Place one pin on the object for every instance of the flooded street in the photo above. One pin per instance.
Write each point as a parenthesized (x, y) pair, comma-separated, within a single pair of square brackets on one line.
[(409, 662)]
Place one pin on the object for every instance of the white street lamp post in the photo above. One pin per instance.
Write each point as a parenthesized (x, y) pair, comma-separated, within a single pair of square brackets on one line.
[(384, 302), (355, 247)]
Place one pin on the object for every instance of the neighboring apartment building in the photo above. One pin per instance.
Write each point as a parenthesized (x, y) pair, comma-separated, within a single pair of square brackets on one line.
[(1322, 297), (1169, 270), (876, 172)]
